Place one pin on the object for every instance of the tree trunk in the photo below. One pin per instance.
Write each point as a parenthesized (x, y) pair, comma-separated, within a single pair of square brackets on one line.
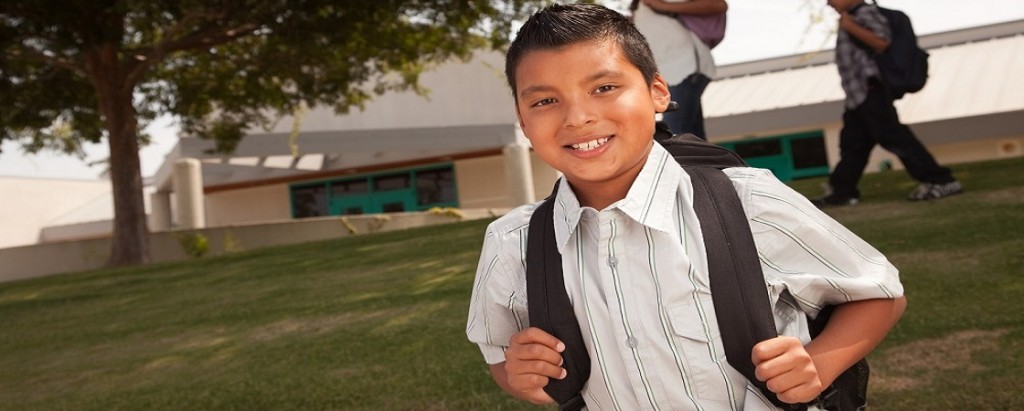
[(129, 241)]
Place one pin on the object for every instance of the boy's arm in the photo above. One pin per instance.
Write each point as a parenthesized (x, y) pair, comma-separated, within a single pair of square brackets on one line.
[(695, 7), (865, 35), (799, 373), (853, 331), (532, 359)]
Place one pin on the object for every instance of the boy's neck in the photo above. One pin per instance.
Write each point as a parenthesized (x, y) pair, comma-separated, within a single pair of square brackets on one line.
[(600, 195), (597, 199)]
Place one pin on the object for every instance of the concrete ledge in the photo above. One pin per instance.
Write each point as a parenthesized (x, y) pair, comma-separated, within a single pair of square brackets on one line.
[(19, 263)]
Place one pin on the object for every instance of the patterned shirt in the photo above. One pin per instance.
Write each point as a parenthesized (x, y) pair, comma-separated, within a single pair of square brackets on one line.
[(636, 274), (855, 63)]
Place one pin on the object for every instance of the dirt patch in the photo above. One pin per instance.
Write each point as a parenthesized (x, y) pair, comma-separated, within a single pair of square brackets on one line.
[(1011, 195), (914, 365)]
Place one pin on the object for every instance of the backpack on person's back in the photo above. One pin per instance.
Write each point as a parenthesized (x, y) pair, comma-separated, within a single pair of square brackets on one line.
[(709, 28), (742, 306), (904, 65)]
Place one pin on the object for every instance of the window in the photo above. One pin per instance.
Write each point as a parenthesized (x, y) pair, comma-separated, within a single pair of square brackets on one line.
[(388, 192), (809, 152), (760, 148), (309, 201), (354, 187), (392, 182), (435, 186)]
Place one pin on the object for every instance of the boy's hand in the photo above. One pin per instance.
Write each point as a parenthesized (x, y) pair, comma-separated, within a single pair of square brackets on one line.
[(787, 368), (846, 21), (532, 359)]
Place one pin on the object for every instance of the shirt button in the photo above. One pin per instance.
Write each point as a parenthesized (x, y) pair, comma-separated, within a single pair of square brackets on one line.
[(612, 262), (631, 342)]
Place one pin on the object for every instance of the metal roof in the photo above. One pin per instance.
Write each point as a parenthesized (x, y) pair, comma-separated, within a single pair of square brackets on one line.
[(973, 72)]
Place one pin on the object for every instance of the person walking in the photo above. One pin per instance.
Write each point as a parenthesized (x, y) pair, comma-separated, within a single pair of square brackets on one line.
[(683, 59), (870, 118)]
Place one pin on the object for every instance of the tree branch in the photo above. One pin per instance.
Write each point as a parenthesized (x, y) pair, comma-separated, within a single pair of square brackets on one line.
[(32, 54), (201, 39)]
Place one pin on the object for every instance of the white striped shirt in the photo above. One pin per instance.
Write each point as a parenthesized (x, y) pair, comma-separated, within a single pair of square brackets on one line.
[(636, 273)]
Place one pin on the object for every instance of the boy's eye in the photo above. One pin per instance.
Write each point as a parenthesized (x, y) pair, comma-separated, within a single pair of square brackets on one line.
[(542, 102), (605, 88)]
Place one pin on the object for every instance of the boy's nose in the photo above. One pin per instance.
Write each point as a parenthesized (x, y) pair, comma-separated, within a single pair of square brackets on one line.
[(579, 115)]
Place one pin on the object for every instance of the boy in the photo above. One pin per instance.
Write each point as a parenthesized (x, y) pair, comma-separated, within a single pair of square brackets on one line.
[(870, 117), (586, 91)]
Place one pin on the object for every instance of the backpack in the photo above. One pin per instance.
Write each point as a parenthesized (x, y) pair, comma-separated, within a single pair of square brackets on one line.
[(904, 65), (737, 283), (709, 28)]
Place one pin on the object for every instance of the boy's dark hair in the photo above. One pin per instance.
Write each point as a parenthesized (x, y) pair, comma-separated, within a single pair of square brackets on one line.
[(562, 25)]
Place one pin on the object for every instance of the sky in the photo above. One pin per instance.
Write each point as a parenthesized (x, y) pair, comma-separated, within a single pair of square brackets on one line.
[(756, 29)]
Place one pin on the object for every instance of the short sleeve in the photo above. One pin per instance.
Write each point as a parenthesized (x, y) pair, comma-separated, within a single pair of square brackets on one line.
[(873, 19), (497, 308), (804, 251)]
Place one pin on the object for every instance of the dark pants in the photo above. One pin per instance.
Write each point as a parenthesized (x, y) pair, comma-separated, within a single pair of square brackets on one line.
[(875, 121), (689, 117)]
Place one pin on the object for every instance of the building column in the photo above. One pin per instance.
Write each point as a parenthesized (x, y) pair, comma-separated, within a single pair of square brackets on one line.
[(160, 211), (519, 174), (188, 191)]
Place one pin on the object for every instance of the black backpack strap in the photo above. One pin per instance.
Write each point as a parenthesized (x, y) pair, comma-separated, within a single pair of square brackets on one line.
[(550, 308), (690, 150), (737, 283)]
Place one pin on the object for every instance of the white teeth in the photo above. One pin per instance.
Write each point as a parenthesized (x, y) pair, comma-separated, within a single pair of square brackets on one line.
[(590, 145)]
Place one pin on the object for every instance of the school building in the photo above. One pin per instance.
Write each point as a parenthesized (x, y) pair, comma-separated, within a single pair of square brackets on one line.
[(460, 147)]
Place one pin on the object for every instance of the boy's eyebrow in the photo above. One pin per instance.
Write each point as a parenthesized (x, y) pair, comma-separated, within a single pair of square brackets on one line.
[(593, 77)]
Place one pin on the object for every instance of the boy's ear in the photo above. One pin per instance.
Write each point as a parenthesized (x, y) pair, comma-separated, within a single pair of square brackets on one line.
[(660, 94)]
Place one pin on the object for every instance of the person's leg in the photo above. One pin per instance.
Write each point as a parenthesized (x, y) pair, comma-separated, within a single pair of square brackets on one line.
[(689, 117), (855, 144), (897, 138)]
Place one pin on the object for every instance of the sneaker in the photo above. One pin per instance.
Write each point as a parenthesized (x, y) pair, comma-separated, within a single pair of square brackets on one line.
[(929, 191), (833, 200)]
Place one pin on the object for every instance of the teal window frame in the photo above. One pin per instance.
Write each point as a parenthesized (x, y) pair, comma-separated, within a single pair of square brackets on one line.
[(374, 200), (783, 163)]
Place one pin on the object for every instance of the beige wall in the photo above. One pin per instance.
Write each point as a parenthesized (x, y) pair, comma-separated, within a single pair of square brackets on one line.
[(482, 183), (263, 203), (979, 150), (544, 176)]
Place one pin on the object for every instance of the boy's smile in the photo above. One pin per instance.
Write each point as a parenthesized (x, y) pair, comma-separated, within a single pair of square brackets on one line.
[(589, 113)]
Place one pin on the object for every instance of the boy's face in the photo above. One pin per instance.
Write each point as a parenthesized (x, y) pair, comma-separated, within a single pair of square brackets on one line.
[(588, 112)]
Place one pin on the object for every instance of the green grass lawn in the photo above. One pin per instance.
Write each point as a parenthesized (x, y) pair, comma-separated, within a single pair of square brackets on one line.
[(376, 322)]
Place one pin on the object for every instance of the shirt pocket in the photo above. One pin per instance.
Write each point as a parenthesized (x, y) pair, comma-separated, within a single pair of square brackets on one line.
[(700, 344)]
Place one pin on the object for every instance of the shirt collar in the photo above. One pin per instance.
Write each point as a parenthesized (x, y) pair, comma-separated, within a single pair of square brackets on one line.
[(650, 199)]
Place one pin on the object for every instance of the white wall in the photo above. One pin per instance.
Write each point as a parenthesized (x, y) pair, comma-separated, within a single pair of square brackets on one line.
[(29, 204), (459, 93)]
